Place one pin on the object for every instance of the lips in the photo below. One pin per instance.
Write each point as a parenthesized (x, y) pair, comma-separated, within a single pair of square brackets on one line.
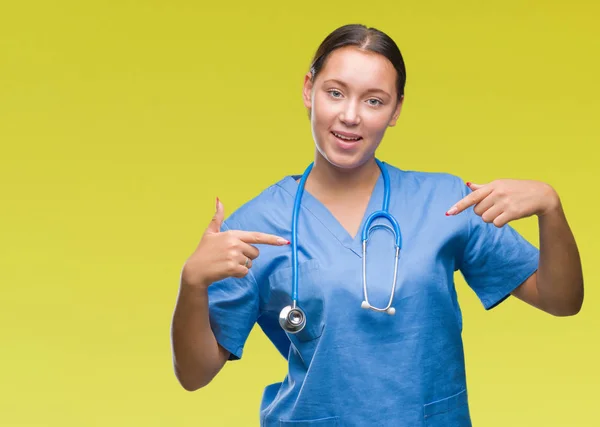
[(345, 136)]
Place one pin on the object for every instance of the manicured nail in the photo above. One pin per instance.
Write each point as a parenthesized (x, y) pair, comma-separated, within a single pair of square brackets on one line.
[(217, 206), (283, 241), (469, 183), (451, 211)]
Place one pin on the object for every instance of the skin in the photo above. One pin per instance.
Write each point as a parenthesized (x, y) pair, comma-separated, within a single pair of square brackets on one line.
[(197, 356), (354, 92), (343, 179), (341, 98), (557, 286)]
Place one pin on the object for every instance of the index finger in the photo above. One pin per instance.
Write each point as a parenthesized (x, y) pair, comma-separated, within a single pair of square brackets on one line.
[(256, 237), (469, 200)]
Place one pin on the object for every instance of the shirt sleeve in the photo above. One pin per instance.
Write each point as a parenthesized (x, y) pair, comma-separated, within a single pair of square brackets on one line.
[(495, 260), (233, 309)]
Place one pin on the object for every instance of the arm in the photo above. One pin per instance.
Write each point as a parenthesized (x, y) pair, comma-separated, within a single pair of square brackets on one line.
[(557, 286), (197, 357)]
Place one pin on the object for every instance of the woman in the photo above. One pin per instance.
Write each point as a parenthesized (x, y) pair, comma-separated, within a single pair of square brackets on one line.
[(351, 365)]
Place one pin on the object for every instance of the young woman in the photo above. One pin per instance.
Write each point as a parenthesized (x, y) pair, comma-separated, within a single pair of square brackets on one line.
[(371, 339)]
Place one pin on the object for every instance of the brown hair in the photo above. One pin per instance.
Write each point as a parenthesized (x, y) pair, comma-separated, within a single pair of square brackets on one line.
[(366, 38)]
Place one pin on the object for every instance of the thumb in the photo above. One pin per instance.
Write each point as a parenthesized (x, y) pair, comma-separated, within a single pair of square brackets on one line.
[(217, 219)]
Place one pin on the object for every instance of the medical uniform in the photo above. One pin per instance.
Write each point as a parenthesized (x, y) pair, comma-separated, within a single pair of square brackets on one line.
[(355, 367)]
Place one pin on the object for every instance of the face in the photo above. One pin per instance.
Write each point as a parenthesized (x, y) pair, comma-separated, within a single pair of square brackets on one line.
[(352, 101)]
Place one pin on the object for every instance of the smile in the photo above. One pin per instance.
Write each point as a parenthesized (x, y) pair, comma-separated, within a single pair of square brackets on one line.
[(346, 138)]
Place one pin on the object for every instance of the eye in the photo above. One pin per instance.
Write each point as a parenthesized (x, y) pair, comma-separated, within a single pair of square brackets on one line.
[(335, 93), (376, 102)]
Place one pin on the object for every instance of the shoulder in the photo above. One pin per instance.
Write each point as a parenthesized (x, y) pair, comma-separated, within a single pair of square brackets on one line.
[(260, 211), (422, 181)]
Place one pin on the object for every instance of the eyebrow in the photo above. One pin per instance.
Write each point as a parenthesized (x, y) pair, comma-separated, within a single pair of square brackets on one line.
[(341, 83)]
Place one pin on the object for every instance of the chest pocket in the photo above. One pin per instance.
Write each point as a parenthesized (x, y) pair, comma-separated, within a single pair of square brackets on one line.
[(311, 297)]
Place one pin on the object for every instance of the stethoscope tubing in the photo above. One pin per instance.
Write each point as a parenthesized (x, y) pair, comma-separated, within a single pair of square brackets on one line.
[(292, 318)]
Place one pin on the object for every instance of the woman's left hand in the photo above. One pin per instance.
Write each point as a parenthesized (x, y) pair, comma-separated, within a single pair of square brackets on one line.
[(505, 200)]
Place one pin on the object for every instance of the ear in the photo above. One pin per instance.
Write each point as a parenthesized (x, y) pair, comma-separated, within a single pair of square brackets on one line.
[(397, 112), (307, 90)]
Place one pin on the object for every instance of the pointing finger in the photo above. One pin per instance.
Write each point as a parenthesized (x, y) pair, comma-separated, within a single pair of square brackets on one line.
[(255, 237), (469, 200), (474, 186)]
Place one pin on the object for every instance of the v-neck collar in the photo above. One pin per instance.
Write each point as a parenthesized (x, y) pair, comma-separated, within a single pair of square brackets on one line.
[(329, 221)]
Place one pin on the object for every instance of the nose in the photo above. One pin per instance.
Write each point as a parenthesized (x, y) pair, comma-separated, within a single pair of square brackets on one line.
[(349, 114)]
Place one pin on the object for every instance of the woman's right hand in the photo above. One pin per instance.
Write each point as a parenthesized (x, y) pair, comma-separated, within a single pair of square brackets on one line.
[(224, 254)]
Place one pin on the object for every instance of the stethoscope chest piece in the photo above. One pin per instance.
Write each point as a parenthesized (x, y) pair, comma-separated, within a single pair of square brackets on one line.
[(292, 319)]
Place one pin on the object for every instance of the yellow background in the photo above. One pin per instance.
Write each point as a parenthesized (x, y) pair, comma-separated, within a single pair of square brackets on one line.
[(121, 121)]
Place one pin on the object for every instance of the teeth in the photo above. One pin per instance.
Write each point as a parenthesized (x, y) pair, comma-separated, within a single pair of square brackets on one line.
[(345, 138)]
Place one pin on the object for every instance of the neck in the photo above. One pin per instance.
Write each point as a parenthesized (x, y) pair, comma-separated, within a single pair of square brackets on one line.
[(331, 181)]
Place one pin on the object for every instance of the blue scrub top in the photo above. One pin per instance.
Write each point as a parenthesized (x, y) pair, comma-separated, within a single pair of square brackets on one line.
[(357, 367)]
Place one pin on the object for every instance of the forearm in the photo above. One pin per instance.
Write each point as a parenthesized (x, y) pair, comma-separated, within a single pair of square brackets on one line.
[(196, 355), (559, 277)]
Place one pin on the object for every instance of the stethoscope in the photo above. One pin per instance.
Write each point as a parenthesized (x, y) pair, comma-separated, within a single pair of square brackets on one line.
[(292, 318)]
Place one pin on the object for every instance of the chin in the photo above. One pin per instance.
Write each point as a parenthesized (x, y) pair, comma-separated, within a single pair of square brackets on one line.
[(344, 160)]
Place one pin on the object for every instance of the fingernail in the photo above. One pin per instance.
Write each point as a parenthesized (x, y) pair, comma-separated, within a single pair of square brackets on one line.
[(217, 206), (451, 211), (283, 241), (469, 184)]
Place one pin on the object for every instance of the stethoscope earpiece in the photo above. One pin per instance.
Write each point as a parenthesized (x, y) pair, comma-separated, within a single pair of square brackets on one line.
[(390, 310), (292, 319)]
